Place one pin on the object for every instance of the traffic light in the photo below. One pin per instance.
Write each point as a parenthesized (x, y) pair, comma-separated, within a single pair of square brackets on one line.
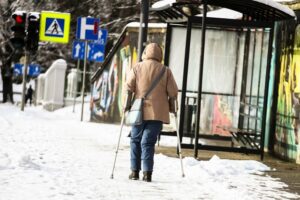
[(32, 38), (18, 28)]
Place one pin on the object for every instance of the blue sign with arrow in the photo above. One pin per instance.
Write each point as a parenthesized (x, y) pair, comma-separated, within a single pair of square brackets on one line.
[(102, 36), (18, 69), (95, 51), (78, 50), (33, 69)]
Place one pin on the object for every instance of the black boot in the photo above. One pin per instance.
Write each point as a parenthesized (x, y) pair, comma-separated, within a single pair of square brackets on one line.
[(134, 175), (147, 176)]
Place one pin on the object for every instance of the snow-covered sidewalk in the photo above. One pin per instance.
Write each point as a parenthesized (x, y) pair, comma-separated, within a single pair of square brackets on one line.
[(54, 156)]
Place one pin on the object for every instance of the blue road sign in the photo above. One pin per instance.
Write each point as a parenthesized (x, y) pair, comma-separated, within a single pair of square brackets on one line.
[(96, 52), (102, 36), (33, 70), (55, 27), (78, 50), (87, 28), (18, 69)]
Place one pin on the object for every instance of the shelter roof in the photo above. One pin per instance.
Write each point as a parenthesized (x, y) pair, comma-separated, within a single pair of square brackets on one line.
[(259, 10)]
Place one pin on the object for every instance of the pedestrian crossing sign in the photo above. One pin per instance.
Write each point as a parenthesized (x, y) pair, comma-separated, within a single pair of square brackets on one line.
[(55, 27)]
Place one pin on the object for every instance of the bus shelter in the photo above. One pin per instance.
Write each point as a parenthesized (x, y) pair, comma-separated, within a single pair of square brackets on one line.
[(222, 67)]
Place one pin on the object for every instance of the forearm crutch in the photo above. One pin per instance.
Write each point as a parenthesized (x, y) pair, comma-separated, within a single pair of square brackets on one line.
[(122, 124), (178, 139), (117, 148)]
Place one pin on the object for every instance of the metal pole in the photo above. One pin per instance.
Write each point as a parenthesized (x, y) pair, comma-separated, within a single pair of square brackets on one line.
[(74, 101), (272, 121), (266, 93), (244, 79), (197, 129), (184, 77), (143, 30), (35, 93), (259, 78), (24, 79), (83, 79), (168, 44), (252, 80), (236, 63)]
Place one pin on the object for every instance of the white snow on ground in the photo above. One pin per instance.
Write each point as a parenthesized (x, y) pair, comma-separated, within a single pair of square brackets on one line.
[(53, 156)]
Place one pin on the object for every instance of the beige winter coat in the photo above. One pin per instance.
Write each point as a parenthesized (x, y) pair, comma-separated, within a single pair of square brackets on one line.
[(156, 106)]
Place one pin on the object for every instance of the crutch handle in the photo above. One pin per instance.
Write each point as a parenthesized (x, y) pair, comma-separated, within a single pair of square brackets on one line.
[(173, 106)]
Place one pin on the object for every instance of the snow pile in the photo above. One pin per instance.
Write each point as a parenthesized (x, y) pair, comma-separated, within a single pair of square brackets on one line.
[(53, 156), (163, 4), (224, 13)]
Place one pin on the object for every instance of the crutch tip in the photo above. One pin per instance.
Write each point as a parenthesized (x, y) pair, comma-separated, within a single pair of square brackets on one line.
[(183, 175), (112, 176)]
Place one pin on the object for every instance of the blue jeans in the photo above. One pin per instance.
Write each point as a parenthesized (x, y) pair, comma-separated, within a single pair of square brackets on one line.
[(142, 143)]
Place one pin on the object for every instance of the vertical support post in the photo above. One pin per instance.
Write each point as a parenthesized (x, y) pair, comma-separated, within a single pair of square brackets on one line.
[(277, 51), (244, 80), (184, 79), (74, 100), (266, 93), (143, 30), (236, 63), (252, 79), (199, 95), (259, 78), (24, 79), (83, 79), (35, 93), (168, 44)]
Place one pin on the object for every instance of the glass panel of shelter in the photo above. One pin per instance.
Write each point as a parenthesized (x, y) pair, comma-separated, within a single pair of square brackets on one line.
[(222, 81)]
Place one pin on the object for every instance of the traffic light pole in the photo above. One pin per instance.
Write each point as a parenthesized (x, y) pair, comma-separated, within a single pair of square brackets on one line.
[(24, 79), (83, 79)]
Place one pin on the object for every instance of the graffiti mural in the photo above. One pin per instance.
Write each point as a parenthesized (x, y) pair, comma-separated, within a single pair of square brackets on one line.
[(222, 115), (105, 93), (287, 136)]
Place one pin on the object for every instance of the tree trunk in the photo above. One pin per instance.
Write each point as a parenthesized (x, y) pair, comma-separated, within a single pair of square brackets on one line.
[(7, 89)]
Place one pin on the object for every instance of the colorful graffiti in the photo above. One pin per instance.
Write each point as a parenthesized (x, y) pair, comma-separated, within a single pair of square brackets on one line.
[(105, 93), (287, 136), (222, 115)]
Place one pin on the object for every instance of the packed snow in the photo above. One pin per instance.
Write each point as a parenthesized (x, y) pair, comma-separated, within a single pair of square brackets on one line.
[(53, 156)]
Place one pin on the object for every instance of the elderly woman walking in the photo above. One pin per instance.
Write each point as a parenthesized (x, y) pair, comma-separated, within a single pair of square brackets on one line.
[(155, 108)]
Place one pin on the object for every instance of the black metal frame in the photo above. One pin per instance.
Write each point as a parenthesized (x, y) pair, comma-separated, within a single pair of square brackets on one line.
[(238, 24)]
